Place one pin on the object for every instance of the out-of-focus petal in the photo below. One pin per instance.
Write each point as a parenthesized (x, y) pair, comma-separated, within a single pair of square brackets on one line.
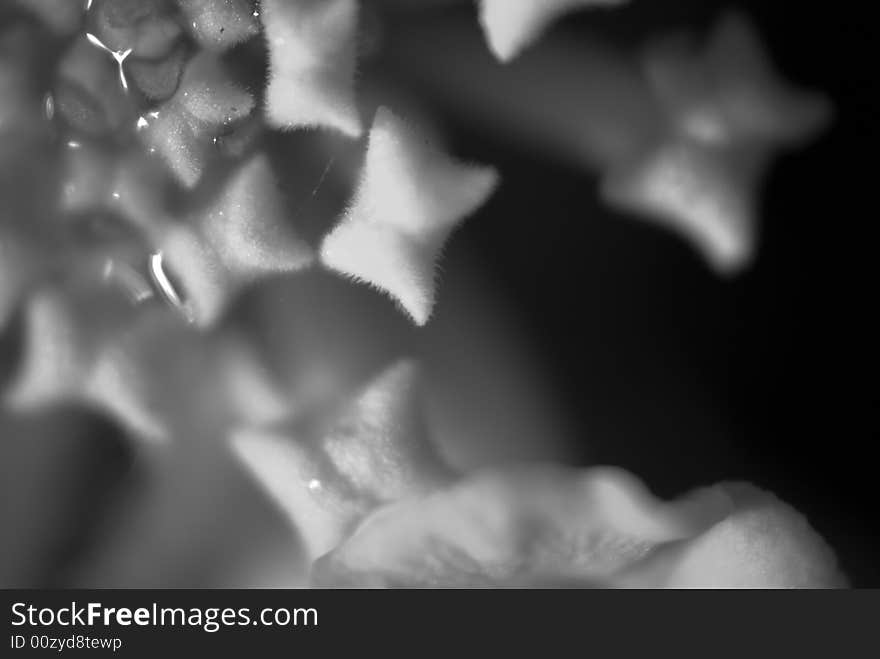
[(91, 343), (513, 25), (504, 526), (726, 113), (763, 543), (221, 24), (144, 26), (89, 94), (242, 236), (701, 192), (549, 525), (327, 478), (158, 79), (61, 16), (411, 196)]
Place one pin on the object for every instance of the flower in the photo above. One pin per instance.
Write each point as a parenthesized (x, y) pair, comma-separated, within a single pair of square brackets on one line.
[(550, 526)]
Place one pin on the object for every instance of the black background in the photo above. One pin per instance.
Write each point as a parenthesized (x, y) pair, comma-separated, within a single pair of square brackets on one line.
[(633, 325)]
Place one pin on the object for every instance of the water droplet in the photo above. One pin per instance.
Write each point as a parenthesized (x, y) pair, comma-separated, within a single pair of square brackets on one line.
[(115, 195), (314, 484), (157, 271), (73, 144), (142, 123), (49, 106)]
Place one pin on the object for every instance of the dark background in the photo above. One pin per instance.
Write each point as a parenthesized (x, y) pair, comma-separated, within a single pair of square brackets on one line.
[(689, 379)]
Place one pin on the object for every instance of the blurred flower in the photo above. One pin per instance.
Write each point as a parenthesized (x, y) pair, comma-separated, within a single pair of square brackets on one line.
[(549, 526)]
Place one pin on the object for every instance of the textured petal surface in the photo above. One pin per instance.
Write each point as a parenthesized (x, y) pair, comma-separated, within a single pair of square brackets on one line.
[(312, 48), (221, 24), (205, 105), (410, 198)]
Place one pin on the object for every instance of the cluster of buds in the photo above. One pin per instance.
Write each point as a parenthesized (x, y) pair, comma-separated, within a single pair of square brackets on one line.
[(144, 198)]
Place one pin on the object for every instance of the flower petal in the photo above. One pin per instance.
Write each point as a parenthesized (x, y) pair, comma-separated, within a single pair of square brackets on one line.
[(409, 199), (243, 236), (220, 24), (764, 543), (500, 527), (513, 25), (326, 479)]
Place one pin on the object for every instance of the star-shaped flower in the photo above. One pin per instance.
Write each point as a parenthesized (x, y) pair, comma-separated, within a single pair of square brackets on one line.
[(242, 236), (513, 25), (112, 346), (312, 54), (328, 474), (411, 196), (726, 116)]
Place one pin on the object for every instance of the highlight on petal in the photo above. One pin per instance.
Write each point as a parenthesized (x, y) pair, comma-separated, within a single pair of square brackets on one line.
[(513, 25), (409, 199), (206, 103), (220, 24), (327, 477), (505, 527), (312, 50), (244, 235), (302, 485), (700, 192), (725, 115), (91, 91)]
